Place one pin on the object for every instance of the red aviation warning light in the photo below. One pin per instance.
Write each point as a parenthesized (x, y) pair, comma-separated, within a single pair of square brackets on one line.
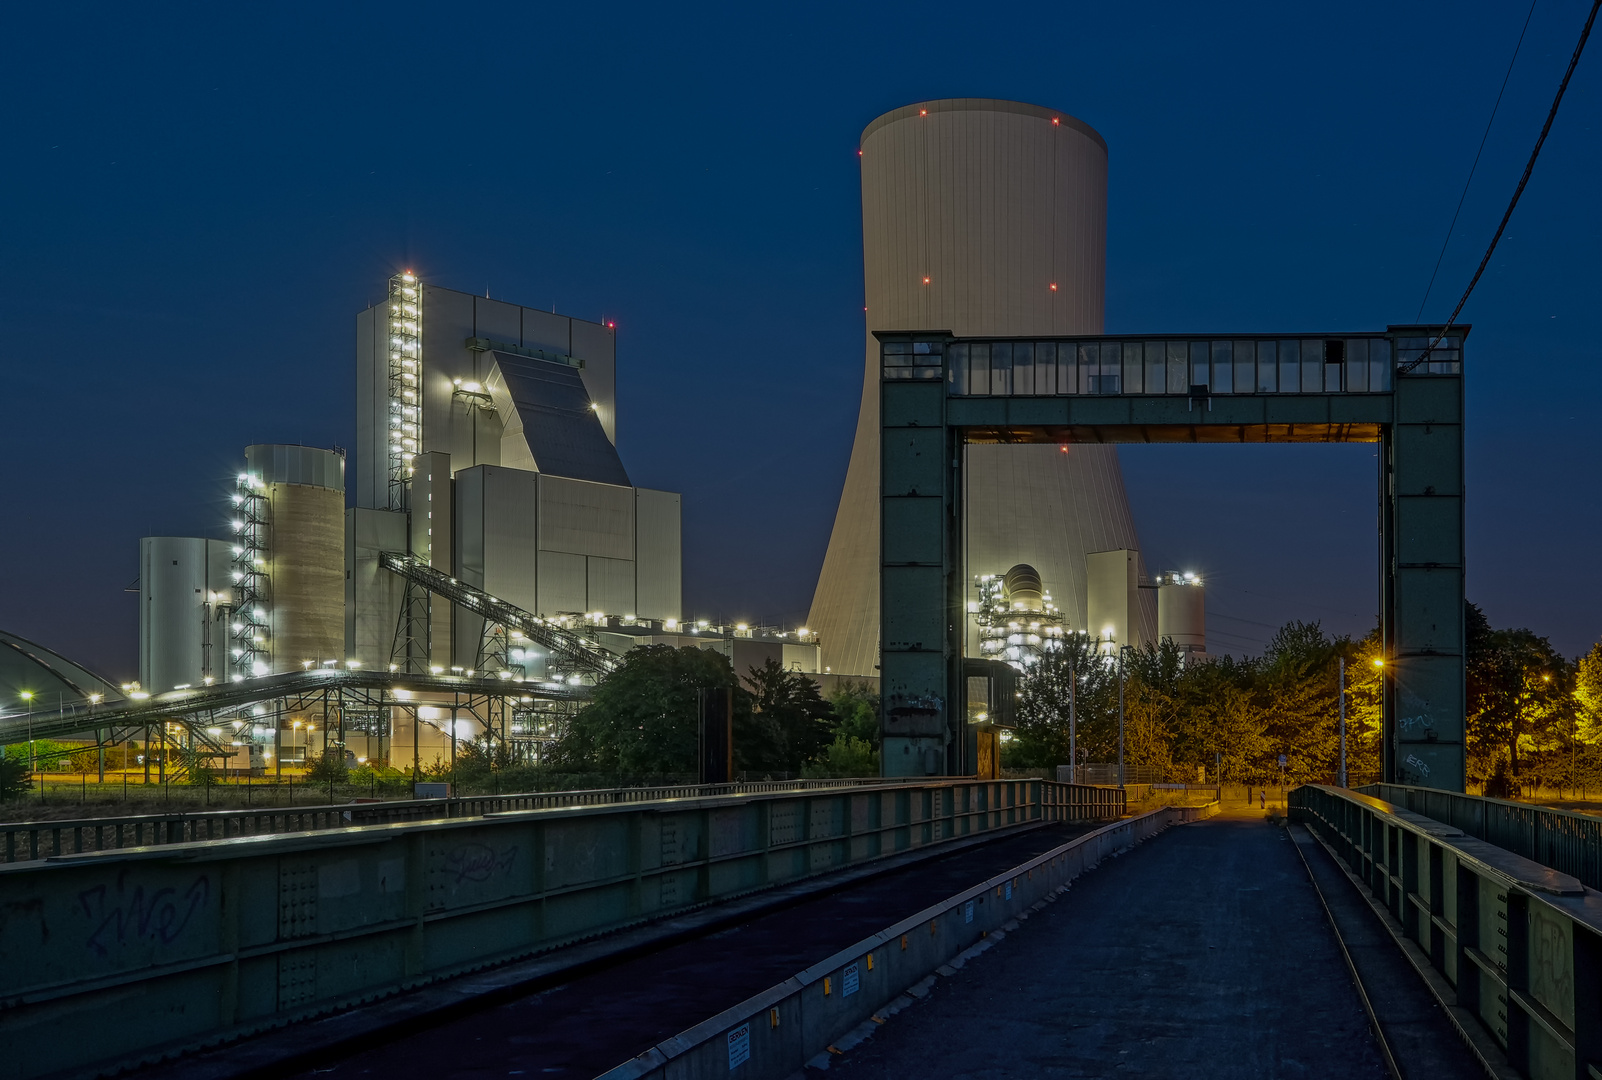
[(923, 112), (1053, 286), (926, 281)]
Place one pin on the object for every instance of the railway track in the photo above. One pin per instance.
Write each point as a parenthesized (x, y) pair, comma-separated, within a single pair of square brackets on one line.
[(1416, 1034)]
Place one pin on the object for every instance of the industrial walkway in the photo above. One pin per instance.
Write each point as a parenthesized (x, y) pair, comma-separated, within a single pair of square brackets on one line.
[(1205, 952)]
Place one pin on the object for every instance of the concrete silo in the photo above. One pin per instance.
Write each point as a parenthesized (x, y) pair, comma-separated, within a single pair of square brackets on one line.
[(980, 217), (289, 560)]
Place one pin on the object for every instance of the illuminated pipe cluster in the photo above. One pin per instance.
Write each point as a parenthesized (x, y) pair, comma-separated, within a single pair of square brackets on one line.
[(251, 653), (1011, 633), (405, 386)]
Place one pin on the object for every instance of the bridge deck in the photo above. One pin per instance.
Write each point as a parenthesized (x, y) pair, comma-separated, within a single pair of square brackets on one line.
[(1205, 952), (598, 1019)]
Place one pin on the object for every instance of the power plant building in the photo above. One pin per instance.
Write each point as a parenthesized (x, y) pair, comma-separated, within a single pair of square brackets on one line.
[(982, 218), (487, 450)]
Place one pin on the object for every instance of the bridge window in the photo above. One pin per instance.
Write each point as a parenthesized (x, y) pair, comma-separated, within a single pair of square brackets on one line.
[(1245, 367), (1046, 367), (1357, 365), (1290, 367), (1000, 368), (1267, 367), (1023, 368), (1223, 368), (1134, 381), (1379, 365), (1199, 364)]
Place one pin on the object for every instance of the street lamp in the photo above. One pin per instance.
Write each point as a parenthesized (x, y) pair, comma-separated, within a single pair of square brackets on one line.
[(1343, 721), (27, 695), (1121, 649)]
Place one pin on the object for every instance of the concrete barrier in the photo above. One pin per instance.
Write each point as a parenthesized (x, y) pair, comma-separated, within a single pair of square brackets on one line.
[(117, 958), (774, 1033)]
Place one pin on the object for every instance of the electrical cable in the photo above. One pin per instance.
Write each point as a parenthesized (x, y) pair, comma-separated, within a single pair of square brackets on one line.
[(1464, 197), (1574, 62)]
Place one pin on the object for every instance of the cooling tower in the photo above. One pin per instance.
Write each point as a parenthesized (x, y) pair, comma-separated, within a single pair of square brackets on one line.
[(984, 218)]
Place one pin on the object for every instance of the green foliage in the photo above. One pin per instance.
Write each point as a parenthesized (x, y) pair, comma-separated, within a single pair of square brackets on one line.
[(788, 723), (855, 706), (330, 768), (845, 756), (641, 719), (1179, 720), (14, 777)]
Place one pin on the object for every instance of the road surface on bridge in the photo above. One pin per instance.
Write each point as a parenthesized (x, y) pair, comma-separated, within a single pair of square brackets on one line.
[(1204, 952), (600, 1019)]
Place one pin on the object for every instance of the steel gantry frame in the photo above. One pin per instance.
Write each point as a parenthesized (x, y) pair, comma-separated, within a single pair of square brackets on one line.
[(940, 393)]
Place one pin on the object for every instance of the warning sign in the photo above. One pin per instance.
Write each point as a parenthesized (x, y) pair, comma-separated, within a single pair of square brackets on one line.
[(739, 1046)]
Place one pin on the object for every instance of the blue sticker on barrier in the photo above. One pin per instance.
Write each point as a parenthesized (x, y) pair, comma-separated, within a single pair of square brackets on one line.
[(967, 912), (739, 1046), (850, 981), (1009, 890)]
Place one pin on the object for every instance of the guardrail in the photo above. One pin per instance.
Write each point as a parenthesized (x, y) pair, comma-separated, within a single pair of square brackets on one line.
[(146, 952), (1559, 839), (1518, 945), (773, 1034), (28, 840)]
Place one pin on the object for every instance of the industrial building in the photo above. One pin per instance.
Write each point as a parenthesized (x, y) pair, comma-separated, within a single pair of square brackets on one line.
[(1182, 613), (486, 448), (496, 546), (981, 217)]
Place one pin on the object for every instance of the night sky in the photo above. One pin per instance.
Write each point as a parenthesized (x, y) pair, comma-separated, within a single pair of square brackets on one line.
[(197, 200)]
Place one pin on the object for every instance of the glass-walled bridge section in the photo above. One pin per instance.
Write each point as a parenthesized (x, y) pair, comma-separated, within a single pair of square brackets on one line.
[(940, 393)]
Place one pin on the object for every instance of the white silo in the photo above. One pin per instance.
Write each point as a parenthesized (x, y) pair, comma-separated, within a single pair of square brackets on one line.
[(289, 560), (1182, 611), (184, 585)]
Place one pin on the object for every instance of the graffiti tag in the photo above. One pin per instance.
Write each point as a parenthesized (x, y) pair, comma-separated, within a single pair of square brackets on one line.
[(1413, 762), (478, 862), (160, 915)]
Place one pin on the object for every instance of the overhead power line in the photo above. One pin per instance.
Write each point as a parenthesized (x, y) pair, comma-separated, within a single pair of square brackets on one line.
[(1574, 62), (1472, 168)]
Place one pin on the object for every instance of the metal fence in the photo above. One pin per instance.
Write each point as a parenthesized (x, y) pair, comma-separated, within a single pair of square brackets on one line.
[(222, 939), (1565, 841), (1107, 775), (1514, 947), (24, 841)]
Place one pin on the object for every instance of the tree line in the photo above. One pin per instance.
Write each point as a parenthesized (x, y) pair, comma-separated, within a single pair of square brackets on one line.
[(641, 720), (1533, 716)]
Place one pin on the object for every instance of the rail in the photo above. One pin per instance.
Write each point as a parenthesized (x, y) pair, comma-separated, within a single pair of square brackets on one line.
[(28, 840), (1513, 948), (219, 940), (1560, 839)]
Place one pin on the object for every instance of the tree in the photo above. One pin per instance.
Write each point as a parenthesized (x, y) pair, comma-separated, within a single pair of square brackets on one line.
[(642, 718), (787, 724), (1520, 703), (1077, 673)]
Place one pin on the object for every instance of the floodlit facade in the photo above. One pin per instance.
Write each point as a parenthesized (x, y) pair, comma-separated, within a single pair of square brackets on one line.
[(1182, 613), (980, 217), (487, 449)]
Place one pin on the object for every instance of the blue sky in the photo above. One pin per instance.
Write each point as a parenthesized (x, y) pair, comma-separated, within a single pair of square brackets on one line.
[(198, 199)]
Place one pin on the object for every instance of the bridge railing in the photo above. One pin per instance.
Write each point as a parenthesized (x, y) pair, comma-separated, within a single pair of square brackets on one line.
[(225, 938), (26, 840), (1560, 839), (1514, 946)]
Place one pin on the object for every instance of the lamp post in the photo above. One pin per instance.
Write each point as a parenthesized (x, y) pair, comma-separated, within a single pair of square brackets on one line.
[(27, 696), (1073, 693), (1343, 721), (1121, 649)]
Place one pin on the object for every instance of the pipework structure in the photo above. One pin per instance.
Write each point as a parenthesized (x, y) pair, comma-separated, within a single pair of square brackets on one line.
[(941, 396)]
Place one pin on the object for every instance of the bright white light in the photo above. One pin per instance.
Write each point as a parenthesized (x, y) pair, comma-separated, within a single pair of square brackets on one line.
[(258, 668)]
